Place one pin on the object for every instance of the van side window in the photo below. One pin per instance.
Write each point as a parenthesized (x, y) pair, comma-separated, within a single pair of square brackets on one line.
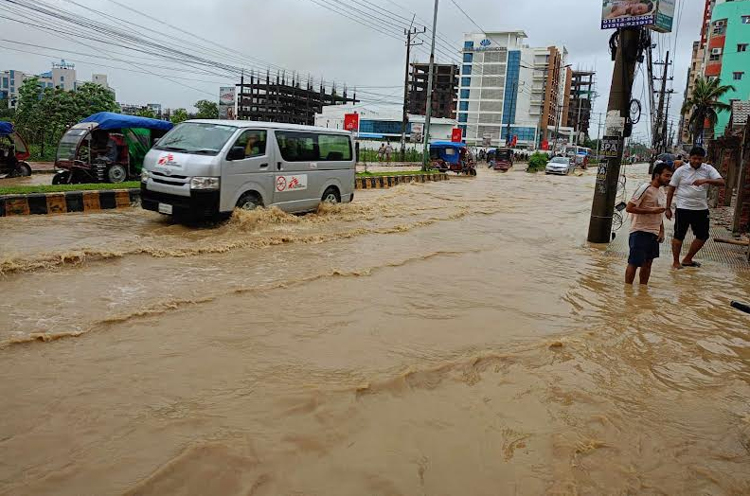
[(313, 147), (254, 143)]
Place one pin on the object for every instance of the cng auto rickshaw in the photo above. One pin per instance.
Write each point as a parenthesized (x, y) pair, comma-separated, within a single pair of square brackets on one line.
[(449, 156), (503, 159), (106, 147), (13, 152)]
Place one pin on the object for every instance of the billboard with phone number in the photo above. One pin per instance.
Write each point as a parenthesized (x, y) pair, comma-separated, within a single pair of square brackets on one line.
[(655, 14)]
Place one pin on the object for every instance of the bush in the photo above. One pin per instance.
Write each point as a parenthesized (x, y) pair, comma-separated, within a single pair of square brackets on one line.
[(412, 155), (38, 156), (538, 162)]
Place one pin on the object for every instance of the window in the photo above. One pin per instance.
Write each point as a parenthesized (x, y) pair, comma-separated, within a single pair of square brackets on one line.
[(62, 79), (745, 19), (312, 147), (463, 118), (465, 81), (742, 47), (714, 57), (199, 139), (466, 71), (468, 44), (465, 94), (468, 57), (463, 106), (738, 75), (254, 143)]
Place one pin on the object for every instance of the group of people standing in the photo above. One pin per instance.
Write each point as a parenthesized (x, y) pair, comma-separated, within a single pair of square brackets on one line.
[(385, 152), (687, 188)]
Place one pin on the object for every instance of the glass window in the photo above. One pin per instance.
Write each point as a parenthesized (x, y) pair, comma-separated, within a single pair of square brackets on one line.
[(742, 47), (253, 142), (463, 106), (465, 93), (312, 147), (466, 70), (465, 81), (468, 44), (746, 19), (738, 76), (468, 57), (199, 139), (463, 117)]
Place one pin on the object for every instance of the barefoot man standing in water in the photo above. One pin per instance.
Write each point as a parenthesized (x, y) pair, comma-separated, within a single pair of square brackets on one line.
[(647, 226), (690, 184)]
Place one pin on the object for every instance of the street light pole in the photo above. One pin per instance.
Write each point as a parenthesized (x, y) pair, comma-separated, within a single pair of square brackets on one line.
[(430, 81)]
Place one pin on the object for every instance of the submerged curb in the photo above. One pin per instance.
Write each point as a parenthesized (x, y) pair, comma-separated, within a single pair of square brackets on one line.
[(92, 201), (385, 182), (67, 202)]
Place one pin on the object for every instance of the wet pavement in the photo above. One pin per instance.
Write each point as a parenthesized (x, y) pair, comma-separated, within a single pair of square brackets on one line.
[(445, 338)]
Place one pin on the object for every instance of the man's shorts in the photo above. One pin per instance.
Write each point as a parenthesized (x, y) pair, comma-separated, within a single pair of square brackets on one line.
[(698, 220), (644, 247)]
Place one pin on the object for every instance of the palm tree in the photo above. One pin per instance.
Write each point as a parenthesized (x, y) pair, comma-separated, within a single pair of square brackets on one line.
[(704, 104)]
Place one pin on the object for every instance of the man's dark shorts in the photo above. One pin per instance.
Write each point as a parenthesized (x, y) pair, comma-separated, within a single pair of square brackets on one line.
[(644, 247), (698, 220)]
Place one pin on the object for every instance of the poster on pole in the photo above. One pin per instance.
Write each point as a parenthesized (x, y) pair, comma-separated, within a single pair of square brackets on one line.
[(227, 103), (611, 146), (351, 122), (417, 131), (654, 14), (457, 135)]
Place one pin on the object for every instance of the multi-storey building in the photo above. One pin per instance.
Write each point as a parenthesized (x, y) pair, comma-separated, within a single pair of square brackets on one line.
[(445, 90), (508, 89), (581, 102)]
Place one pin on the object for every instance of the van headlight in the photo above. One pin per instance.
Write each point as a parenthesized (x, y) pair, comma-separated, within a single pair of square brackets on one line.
[(205, 183), (145, 175)]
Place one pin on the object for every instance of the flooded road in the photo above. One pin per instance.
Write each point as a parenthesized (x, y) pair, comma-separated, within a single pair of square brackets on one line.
[(438, 339)]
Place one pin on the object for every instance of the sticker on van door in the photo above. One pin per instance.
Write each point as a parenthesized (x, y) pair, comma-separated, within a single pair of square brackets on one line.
[(291, 183)]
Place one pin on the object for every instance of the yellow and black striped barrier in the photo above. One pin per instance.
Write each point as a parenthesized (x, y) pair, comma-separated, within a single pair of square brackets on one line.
[(385, 182), (67, 202)]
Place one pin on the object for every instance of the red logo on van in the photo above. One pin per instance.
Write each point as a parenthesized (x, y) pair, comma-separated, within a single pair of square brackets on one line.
[(280, 183), (166, 159)]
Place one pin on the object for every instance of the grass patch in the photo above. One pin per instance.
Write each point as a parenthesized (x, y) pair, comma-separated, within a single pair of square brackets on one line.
[(58, 188), (396, 173)]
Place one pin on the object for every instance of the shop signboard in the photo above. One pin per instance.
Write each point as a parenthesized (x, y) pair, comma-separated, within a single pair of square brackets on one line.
[(227, 103), (351, 122), (657, 15)]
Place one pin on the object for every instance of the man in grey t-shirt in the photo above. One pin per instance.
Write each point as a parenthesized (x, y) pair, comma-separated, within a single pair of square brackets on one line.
[(690, 185)]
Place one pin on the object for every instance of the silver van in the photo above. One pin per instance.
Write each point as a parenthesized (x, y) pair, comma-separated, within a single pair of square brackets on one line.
[(207, 168)]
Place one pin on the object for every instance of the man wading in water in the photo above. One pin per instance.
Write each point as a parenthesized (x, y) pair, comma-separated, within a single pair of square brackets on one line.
[(647, 226), (690, 183)]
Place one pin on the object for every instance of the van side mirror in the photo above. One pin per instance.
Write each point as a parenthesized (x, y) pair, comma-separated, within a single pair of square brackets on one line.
[(236, 153)]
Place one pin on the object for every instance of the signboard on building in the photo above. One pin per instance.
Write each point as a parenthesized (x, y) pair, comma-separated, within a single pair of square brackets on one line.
[(227, 103), (351, 122), (457, 135), (655, 14)]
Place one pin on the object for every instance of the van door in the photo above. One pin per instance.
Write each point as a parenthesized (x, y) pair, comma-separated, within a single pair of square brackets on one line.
[(296, 164), (247, 168)]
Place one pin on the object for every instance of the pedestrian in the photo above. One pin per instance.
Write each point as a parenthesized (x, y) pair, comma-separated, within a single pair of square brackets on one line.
[(381, 152), (690, 185), (388, 152), (647, 207), (679, 162)]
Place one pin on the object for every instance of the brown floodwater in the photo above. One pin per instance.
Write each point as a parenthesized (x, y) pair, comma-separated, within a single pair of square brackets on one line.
[(456, 338)]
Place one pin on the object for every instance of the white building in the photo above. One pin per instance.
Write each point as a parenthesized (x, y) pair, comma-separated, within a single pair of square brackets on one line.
[(376, 126), (507, 85)]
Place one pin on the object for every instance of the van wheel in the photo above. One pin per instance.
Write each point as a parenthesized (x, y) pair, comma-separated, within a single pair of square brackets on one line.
[(249, 201), (331, 196)]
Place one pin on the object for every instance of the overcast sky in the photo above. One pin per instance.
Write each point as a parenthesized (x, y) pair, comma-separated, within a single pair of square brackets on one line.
[(302, 36)]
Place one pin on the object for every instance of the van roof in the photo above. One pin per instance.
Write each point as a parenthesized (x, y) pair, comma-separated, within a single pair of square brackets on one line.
[(269, 125)]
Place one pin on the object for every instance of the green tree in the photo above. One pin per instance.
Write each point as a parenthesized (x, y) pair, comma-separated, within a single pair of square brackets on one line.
[(146, 112), (704, 104), (91, 98), (179, 115), (206, 110)]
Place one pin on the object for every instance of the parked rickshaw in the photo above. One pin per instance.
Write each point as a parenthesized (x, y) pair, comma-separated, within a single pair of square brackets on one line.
[(13, 153), (106, 147), (455, 157), (503, 159)]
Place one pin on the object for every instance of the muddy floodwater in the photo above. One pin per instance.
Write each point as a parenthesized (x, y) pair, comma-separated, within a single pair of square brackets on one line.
[(456, 338)]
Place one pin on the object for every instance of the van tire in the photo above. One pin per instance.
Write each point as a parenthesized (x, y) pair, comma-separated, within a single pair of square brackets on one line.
[(331, 196), (249, 201)]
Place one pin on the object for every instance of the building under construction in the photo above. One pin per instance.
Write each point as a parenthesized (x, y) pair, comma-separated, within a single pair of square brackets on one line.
[(285, 100), (446, 90), (581, 101)]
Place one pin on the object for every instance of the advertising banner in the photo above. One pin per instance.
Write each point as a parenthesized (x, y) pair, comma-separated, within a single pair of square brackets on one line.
[(351, 122), (457, 135), (655, 14), (227, 103), (417, 131)]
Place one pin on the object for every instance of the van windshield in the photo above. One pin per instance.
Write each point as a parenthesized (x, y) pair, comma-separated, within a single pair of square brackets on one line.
[(199, 139)]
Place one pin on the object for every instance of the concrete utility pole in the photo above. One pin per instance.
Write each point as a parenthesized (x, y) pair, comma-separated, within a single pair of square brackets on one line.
[(661, 129), (514, 91), (605, 192), (412, 31), (430, 81)]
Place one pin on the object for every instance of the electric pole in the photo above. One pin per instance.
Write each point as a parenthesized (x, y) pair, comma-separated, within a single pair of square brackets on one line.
[(627, 53), (514, 91), (411, 32), (660, 130), (430, 81)]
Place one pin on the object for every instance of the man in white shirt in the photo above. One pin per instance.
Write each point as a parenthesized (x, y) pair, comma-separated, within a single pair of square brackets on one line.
[(690, 186)]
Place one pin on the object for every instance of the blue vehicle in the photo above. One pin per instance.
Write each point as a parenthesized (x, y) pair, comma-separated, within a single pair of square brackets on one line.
[(13, 152), (106, 147), (449, 156)]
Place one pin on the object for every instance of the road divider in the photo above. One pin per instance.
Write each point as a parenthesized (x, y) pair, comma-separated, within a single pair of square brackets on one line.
[(67, 202), (95, 200)]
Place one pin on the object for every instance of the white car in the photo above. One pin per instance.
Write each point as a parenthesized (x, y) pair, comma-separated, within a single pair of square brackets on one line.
[(560, 165)]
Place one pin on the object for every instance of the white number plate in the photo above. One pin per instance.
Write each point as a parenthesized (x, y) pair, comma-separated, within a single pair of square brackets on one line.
[(165, 209)]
